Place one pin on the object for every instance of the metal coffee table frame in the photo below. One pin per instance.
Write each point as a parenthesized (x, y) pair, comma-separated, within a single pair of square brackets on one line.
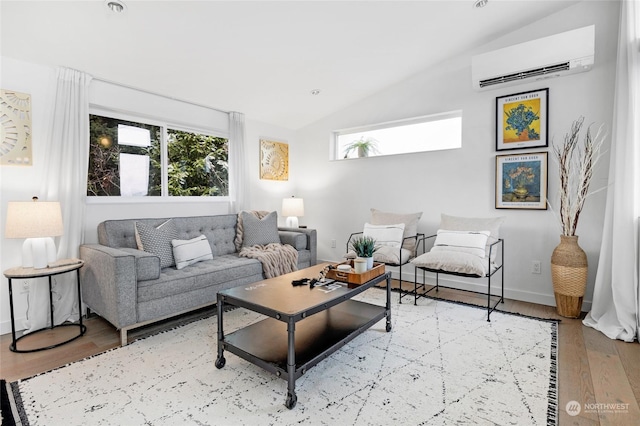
[(320, 328)]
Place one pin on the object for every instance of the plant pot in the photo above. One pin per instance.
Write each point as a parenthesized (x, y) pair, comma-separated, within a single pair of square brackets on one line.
[(369, 261), (569, 275)]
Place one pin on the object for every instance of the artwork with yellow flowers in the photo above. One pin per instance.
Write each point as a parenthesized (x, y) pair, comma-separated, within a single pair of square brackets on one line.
[(521, 120), (521, 181), (274, 160), (15, 115)]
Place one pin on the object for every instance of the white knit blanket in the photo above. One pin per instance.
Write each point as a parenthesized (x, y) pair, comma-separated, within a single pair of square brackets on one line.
[(276, 259)]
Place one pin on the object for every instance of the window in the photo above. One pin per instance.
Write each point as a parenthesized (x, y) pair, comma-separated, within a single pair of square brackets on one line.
[(430, 133), (135, 159)]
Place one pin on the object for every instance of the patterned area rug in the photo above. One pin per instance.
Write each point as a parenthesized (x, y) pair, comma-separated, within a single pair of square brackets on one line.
[(442, 364)]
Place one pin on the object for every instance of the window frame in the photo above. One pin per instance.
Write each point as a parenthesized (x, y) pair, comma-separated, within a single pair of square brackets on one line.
[(334, 154), (164, 159)]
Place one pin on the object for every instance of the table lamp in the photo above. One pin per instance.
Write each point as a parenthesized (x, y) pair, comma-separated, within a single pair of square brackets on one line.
[(292, 208), (37, 221)]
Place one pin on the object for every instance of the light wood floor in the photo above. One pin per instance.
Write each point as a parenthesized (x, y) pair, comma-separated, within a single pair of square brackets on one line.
[(592, 368)]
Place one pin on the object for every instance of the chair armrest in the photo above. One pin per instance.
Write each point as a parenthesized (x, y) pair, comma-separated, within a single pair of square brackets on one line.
[(109, 285)]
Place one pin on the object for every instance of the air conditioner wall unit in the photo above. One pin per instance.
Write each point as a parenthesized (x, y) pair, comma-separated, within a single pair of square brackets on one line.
[(553, 56)]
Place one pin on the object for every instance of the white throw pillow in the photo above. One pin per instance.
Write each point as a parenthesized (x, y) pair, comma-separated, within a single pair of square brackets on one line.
[(385, 235), (410, 221), (493, 224), (471, 242), (188, 252)]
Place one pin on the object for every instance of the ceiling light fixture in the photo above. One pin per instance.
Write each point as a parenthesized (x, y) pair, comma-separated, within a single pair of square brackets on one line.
[(315, 92), (480, 3), (115, 5)]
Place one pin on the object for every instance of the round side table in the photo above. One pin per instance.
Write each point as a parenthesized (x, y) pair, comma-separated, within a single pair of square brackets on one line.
[(60, 267)]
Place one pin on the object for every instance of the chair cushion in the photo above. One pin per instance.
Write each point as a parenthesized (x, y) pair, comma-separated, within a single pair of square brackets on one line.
[(157, 240), (410, 225), (472, 242), (385, 235), (259, 231), (492, 224), (188, 252), (451, 261)]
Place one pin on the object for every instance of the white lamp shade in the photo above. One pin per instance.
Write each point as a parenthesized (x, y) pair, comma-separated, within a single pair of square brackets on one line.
[(292, 207), (33, 219)]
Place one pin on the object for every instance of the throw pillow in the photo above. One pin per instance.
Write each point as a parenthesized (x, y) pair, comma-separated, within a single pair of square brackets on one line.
[(410, 225), (385, 235), (188, 252), (157, 240), (492, 224), (471, 242), (259, 231)]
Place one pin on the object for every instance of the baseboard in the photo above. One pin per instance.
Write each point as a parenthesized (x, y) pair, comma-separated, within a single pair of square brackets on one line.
[(5, 326)]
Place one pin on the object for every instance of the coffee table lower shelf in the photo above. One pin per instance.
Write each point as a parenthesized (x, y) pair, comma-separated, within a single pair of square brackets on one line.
[(266, 343)]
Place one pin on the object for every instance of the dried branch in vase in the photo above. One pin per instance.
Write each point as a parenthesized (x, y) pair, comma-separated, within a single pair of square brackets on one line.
[(575, 172)]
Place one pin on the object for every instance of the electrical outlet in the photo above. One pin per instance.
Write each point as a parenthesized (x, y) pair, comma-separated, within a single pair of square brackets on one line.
[(536, 267), (25, 287), (333, 243)]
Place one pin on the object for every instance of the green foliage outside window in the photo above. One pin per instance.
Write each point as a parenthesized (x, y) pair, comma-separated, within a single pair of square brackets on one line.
[(197, 164)]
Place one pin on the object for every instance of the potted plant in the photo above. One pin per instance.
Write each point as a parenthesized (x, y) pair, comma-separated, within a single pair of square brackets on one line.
[(364, 246), (363, 146), (569, 262)]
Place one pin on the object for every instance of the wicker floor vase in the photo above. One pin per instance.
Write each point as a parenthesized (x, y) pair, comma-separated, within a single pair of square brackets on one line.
[(569, 275)]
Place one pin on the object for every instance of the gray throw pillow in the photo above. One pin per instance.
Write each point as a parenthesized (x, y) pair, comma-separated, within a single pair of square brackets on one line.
[(260, 231), (158, 240)]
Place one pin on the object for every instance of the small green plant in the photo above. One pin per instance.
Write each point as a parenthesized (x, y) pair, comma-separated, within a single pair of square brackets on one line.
[(363, 147), (364, 246)]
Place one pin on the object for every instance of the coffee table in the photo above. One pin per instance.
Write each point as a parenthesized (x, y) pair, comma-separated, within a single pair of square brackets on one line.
[(303, 326)]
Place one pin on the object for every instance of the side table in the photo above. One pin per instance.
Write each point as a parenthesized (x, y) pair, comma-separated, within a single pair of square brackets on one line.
[(60, 267)]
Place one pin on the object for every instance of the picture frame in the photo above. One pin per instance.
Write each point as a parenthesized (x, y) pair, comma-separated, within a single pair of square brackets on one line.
[(15, 115), (522, 120), (274, 160), (522, 181)]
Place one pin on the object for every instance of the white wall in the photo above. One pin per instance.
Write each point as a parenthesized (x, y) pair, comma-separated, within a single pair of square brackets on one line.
[(20, 183), (339, 194)]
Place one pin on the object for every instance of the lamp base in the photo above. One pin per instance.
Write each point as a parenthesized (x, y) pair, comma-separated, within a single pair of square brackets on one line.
[(292, 222), (37, 253)]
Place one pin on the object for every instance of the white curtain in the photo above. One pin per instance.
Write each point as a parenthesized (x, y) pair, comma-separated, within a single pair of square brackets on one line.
[(65, 180), (616, 300), (237, 172)]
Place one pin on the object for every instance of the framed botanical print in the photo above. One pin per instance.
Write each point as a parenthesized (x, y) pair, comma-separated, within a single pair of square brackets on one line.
[(274, 160), (521, 181), (522, 120)]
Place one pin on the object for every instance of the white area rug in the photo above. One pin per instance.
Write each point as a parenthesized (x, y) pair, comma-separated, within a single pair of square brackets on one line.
[(442, 364)]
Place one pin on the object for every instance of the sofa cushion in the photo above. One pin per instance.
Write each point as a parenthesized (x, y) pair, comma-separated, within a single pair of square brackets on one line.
[(215, 272), (147, 264), (188, 252), (157, 240), (259, 231), (456, 262)]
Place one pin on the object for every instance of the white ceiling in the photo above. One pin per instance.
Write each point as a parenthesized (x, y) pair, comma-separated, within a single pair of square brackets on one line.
[(262, 58)]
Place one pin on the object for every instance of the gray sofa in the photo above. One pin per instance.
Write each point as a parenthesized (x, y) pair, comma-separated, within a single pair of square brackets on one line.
[(128, 288)]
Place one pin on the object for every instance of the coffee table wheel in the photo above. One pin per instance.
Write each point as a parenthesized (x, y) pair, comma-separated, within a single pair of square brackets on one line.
[(291, 401), (388, 327), (220, 362)]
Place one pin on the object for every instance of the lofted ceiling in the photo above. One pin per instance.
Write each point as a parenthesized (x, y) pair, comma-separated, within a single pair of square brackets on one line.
[(262, 58)]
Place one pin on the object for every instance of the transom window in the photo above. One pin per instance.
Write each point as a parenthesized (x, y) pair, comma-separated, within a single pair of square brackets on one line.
[(428, 133), (137, 159)]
